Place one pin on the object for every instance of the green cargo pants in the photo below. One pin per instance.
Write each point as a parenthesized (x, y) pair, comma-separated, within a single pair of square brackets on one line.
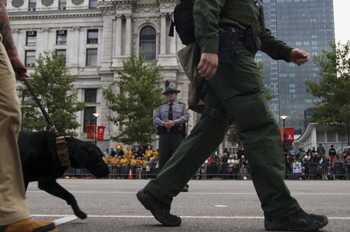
[(234, 96)]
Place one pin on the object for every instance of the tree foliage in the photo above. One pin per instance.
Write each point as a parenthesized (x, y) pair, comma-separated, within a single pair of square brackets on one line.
[(333, 90), (54, 86), (133, 98)]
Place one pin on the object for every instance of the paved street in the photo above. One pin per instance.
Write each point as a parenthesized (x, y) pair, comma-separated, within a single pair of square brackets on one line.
[(209, 206)]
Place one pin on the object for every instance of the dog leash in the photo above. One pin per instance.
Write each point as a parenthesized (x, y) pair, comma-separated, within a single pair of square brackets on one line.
[(50, 125)]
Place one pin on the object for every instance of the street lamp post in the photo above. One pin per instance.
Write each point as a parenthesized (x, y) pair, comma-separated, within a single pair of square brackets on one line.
[(283, 117), (96, 115)]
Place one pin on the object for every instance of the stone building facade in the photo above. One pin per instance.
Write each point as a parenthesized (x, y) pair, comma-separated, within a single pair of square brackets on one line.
[(96, 37)]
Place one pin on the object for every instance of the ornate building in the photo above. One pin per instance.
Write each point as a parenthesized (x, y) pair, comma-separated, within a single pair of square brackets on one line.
[(96, 37)]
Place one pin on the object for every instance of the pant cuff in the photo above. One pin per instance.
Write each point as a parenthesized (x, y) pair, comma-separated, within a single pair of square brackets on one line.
[(157, 192)]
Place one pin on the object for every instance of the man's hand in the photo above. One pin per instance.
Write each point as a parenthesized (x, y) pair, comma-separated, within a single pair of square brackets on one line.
[(169, 124), (19, 68), (208, 65), (299, 56)]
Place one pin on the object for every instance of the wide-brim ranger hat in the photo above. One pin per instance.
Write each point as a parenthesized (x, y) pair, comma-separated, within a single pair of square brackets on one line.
[(170, 88)]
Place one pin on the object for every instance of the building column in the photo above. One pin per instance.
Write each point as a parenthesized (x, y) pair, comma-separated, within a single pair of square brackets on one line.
[(42, 41), (45, 36), (163, 34), (172, 42), (128, 38), (81, 46), (20, 42), (107, 41), (118, 48), (73, 42)]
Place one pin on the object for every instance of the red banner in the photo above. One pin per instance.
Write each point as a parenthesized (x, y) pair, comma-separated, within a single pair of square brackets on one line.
[(289, 134), (90, 131), (101, 133)]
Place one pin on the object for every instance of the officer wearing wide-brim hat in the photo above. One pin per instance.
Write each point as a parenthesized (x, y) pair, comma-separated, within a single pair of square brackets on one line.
[(170, 88), (170, 120)]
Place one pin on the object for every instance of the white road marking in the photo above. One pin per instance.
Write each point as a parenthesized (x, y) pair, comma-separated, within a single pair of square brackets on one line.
[(64, 220), (221, 206), (185, 217), (206, 193)]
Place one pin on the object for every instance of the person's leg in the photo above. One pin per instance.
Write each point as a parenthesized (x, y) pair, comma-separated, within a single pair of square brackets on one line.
[(240, 91), (176, 140), (259, 134), (189, 156), (14, 215), (12, 193), (164, 149)]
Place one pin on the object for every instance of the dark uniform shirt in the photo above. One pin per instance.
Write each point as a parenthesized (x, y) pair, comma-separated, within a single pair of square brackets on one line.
[(209, 15)]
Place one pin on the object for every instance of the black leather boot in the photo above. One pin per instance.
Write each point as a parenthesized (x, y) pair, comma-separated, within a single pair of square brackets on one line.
[(160, 211), (298, 221)]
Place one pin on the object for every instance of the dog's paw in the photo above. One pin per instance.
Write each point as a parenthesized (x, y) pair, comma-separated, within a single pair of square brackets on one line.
[(80, 214)]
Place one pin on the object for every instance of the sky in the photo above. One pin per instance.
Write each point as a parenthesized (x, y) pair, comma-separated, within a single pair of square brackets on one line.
[(342, 20)]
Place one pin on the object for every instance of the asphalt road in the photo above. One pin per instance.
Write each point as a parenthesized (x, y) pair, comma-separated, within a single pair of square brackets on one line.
[(209, 206)]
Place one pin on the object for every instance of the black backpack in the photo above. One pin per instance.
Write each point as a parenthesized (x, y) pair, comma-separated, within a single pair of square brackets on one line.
[(183, 22)]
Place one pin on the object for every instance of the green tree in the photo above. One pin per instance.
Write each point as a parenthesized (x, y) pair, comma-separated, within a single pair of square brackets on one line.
[(133, 104), (54, 86), (333, 90)]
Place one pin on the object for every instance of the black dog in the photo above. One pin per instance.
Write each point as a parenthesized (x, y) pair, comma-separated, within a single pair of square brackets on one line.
[(40, 163)]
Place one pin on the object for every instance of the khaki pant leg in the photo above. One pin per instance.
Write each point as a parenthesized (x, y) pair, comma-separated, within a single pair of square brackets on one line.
[(12, 193)]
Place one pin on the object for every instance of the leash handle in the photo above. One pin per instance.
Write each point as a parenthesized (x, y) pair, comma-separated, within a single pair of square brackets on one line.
[(37, 101)]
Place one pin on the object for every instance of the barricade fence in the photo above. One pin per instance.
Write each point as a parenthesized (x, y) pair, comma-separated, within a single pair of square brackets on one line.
[(125, 172)]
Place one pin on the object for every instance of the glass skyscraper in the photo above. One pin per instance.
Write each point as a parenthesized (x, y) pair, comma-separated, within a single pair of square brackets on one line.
[(305, 24)]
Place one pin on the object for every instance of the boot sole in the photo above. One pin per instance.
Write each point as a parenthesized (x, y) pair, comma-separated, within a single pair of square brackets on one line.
[(305, 229), (46, 228)]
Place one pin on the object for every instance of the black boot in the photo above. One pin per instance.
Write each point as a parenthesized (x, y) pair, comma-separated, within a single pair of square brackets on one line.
[(160, 211), (299, 221)]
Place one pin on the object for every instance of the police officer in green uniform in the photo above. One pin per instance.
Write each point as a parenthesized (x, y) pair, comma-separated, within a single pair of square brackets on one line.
[(229, 33)]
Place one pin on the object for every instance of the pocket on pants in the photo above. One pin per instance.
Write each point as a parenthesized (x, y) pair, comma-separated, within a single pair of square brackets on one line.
[(6, 70)]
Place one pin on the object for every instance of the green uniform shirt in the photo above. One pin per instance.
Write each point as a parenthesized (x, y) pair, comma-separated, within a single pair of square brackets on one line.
[(209, 14)]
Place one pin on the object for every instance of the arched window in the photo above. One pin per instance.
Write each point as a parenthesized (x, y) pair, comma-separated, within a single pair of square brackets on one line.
[(148, 37)]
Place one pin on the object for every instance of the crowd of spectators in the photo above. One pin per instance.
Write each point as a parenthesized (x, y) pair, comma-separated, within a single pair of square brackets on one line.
[(314, 164), (318, 164), (132, 162)]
